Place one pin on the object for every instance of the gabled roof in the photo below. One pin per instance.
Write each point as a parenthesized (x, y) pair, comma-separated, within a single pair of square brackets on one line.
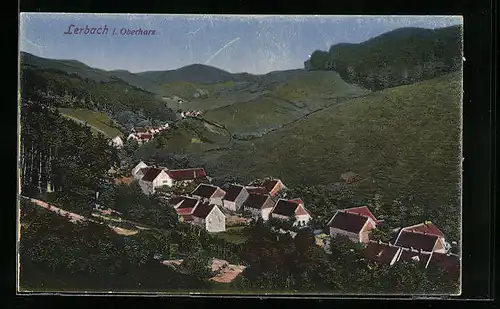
[(256, 190), (379, 252), (363, 210), (297, 200), (187, 202), (256, 201), (232, 192), (187, 174), (416, 241), (151, 174), (348, 222), (285, 208), (202, 210), (204, 190), (412, 256), (425, 228)]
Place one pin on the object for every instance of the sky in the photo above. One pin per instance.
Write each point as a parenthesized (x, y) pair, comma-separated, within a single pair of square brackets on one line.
[(253, 44)]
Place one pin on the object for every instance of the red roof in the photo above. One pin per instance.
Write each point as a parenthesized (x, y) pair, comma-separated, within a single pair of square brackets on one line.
[(187, 217), (145, 136), (363, 211), (425, 228), (187, 174)]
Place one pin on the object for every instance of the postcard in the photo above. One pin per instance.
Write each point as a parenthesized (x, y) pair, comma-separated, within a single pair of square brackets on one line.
[(240, 155)]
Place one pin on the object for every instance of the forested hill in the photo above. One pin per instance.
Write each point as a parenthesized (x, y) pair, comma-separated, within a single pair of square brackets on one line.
[(399, 57), (116, 98)]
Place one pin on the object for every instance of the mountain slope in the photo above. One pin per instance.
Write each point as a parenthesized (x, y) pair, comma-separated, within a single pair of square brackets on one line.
[(67, 66), (403, 142), (399, 57), (195, 73)]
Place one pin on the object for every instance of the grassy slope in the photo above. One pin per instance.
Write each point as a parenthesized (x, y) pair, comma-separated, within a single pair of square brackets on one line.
[(99, 122), (288, 101), (402, 140)]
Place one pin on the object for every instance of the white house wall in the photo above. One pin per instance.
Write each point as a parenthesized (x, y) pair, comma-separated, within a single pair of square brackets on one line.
[(353, 236), (215, 221)]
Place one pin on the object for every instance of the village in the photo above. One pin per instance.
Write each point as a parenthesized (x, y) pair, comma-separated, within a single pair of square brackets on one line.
[(209, 207), (147, 134)]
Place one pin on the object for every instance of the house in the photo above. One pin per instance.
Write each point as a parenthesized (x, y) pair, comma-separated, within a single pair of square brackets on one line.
[(209, 193), (420, 241), (429, 228), (286, 209), (415, 256), (116, 142), (209, 216), (259, 205), (381, 253), (235, 196), (273, 186), (152, 179), (138, 167), (353, 225), (186, 176)]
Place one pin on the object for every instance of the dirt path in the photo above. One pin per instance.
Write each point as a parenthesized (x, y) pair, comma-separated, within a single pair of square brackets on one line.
[(75, 218)]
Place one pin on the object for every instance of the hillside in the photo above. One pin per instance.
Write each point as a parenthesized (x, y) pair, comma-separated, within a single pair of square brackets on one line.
[(399, 57), (67, 66), (287, 102), (403, 142)]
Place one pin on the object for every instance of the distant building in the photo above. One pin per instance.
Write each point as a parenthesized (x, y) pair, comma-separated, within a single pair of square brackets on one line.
[(152, 179), (286, 209), (259, 205), (209, 216), (235, 196), (210, 193), (420, 241), (273, 186), (186, 176), (353, 224), (428, 228)]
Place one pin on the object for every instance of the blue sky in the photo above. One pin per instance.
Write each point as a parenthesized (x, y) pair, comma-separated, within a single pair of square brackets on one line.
[(254, 44)]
